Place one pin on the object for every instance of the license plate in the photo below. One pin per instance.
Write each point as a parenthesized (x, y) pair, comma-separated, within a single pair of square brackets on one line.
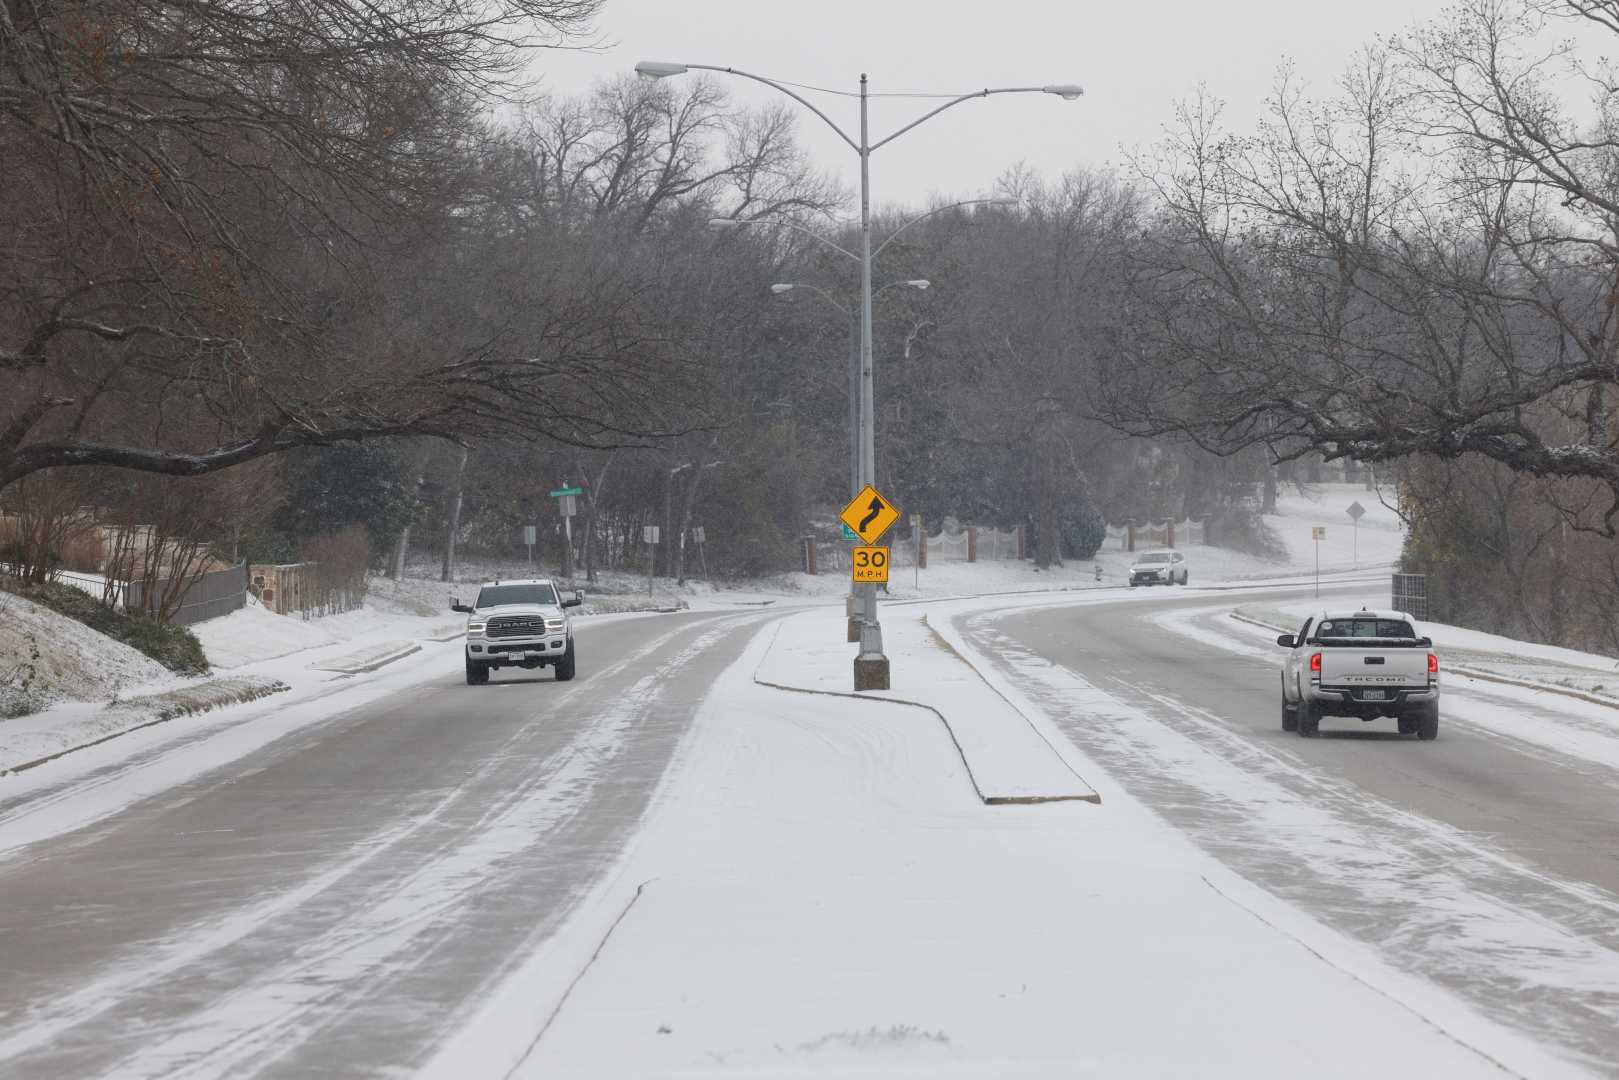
[(1374, 695)]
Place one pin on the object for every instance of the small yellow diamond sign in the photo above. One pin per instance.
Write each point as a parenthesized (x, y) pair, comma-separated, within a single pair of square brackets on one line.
[(870, 565), (869, 515)]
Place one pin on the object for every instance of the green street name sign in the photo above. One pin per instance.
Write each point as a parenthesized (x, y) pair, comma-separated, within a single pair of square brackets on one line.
[(559, 492)]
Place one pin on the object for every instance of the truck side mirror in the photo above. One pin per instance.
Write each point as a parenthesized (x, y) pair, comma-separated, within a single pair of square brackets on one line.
[(575, 600), (456, 605), (1286, 641)]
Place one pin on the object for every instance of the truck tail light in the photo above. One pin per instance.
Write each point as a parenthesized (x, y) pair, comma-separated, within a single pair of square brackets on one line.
[(1315, 663), (1433, 664)]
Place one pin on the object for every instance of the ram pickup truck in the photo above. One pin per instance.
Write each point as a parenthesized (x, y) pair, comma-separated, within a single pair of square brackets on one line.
[(1363, 664), (518, 624)]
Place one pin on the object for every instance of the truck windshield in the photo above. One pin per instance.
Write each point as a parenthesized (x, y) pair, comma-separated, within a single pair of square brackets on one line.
[(500, 595), (1365, 628)]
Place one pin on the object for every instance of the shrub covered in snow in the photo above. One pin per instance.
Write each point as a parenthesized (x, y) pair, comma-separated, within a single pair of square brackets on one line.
[(175, 647)]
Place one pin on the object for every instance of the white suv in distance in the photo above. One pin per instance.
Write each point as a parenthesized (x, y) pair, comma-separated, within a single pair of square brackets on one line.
[(1158, 568), (518, 624)]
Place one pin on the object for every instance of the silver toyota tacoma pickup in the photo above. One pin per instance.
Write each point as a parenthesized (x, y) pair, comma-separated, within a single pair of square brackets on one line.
[(518, 624), (1363, 664)]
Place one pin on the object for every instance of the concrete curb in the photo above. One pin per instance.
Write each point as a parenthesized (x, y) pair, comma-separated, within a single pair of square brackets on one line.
[(171, 705), (361, 663), (1475, 673), (987, 800), (1094, 796)]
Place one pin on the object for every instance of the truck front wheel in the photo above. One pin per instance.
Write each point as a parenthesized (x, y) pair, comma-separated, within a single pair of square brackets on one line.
[(477, 672), (565, 663)]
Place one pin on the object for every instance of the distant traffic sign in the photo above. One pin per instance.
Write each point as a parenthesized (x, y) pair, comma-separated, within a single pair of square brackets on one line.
[(848, 533), (1355, 511), (870, 565), (559, 492), (1318, 532), (869, 514)]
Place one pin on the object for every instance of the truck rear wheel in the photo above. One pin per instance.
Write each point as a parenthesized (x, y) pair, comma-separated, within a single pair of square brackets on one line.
[(1290, 717), (1428, 723), (565, 663), (1309, 719), (477, 672), (1408, 725)]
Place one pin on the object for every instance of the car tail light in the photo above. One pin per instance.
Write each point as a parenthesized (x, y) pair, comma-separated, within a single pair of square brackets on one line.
[(1315, 662), (1433, 664)]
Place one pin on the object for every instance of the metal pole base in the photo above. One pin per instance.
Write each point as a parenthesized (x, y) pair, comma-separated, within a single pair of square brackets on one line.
[(854, 628), (871, 673)]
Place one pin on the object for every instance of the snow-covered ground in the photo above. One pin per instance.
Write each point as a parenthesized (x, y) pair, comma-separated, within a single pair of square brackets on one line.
[(820, 892), (72, 661)]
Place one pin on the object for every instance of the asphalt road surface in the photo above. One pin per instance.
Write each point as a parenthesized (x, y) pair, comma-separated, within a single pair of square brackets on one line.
[(333, 903), (1485, 862)]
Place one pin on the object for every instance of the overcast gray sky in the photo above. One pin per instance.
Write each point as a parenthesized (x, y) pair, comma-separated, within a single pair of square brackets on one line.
[(1134, 60)]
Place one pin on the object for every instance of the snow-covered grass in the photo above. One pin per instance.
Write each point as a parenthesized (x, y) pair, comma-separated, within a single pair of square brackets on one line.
[(74, 662)]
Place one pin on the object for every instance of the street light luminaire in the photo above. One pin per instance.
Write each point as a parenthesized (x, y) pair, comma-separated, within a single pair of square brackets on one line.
[(780, 287), (919, 283), (1066, 91), (655, 69)]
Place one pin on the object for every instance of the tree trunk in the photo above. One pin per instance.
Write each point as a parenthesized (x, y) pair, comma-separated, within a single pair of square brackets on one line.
[(663, 547), (593, 492), (447, 571), (1269, 503), (402, 548)]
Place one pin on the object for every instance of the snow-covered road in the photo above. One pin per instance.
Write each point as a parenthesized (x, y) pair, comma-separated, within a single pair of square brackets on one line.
[(1486, 862), (334, 901), (673, 866)]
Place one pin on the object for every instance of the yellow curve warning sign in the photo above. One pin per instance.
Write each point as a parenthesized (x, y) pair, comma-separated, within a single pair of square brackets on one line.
[(869, 514)]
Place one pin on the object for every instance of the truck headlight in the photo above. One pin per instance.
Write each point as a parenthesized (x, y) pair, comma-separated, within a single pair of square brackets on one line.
[(474, 627)]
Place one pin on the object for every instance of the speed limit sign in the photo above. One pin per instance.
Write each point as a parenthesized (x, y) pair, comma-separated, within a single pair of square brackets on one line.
[(870, 565)]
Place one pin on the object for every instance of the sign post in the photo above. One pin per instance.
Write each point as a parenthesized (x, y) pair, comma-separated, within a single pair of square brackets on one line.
[(702, 559), (649, 536), (567, 506), (529, 532), (1356, 511), (1318, 533), (868, 516)]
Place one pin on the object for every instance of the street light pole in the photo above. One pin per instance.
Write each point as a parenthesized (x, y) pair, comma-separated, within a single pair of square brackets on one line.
[(870, 666), (855, 610)]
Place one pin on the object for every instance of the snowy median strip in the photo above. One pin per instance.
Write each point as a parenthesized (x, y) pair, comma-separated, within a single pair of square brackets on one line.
[(92, 725), (1007, 760)]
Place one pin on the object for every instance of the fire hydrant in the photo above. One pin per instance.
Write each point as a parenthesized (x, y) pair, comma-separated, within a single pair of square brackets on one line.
[(1098, 571)]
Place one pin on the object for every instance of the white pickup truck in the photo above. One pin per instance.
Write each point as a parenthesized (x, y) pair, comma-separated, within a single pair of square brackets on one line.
[(518, 623), (1362, 664)]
